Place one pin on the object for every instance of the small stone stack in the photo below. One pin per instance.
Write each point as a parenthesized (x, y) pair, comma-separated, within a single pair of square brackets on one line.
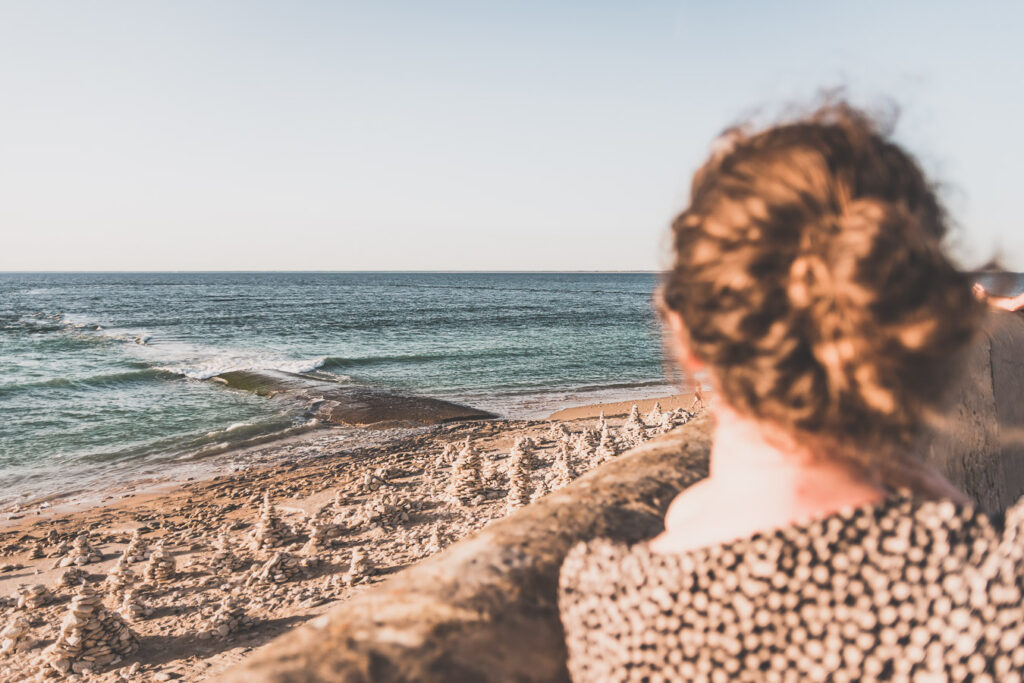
[(72, 578), (558, 432), (589, 437), (320, 534), (564, 469), (602, 423), (467, 483), (120, 577), (91, 637), (359, 568), (491, 474), (436, 542), (520, 486), (634, 431), (160, 568), (81, 553), (654, 417), (341, 499), (666, 424), (132, 608), (449, 453), (606, 446), (37, 551), (229, 617), (137, 550), (225, 556), (280, 568), (30, 597), (270, 531), (16, 636), (582, 450)]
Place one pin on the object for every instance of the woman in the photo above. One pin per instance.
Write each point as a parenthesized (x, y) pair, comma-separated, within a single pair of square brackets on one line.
[(810, 285)]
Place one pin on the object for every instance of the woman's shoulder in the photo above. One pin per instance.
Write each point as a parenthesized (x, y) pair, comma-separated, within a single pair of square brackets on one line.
[(868, 534)]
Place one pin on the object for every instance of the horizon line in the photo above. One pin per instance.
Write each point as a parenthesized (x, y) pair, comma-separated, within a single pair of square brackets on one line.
[(168, 272)]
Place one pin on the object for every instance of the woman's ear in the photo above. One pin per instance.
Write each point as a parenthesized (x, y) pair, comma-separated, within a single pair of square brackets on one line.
[(679, 342)]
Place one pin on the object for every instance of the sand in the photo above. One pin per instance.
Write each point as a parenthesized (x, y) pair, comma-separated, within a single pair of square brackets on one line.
[(672, 402), (231, 573)]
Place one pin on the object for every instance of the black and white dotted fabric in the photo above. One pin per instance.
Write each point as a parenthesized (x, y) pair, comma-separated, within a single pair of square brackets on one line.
[(903, 591)]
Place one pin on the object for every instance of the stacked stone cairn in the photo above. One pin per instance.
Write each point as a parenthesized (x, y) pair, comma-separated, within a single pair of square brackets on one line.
[(72, 578), (120, 577), (37, 551), (160, 568), (634, 431), (589, 437), (320, 535), (81, 553), (602, 423), (137, 550), (492, 476), (229, 617), (225, 557), (359, 568), (520, 484), (449, 454), (606, 446), (132, 607), (30, 597), (270, 531), (654, 417), (564, 469), (467, 483), (91, 637), (435, 543), (667, 423), (558, 432), (16, 636), (280, 568), (581, 448)]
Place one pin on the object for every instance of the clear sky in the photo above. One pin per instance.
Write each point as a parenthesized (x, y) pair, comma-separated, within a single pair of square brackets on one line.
[(216, 135)]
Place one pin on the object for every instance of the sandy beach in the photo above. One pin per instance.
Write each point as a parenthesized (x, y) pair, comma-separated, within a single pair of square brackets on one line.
[(195, 575)]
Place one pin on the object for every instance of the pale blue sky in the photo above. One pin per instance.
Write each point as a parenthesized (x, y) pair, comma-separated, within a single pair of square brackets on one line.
[(188, 135)]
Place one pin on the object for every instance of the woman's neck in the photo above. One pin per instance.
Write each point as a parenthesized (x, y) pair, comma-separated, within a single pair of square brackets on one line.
[(779, 471), (758, 484)]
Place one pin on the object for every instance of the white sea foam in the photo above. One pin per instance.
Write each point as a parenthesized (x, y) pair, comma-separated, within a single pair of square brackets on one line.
[(188, 359), (232, 362)]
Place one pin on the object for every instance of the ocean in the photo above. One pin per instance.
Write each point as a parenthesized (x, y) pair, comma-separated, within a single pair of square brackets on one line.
[(108, 376)]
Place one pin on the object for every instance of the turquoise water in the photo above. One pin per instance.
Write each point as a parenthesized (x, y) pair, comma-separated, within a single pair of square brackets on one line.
[(103, 373)]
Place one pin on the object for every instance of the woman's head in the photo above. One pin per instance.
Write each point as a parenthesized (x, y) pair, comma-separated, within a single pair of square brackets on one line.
[(809, 278)]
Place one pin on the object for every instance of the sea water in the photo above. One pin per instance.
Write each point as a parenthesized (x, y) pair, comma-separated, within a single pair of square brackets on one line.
[(107, 375)]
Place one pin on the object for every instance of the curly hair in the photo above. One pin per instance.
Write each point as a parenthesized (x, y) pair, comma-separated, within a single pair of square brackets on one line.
[(810, 277)]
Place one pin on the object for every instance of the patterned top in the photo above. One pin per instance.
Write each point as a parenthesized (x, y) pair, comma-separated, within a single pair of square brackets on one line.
[(901, 590)]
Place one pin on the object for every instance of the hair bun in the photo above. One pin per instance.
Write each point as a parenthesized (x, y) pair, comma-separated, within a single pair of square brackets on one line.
[(810, 275)]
